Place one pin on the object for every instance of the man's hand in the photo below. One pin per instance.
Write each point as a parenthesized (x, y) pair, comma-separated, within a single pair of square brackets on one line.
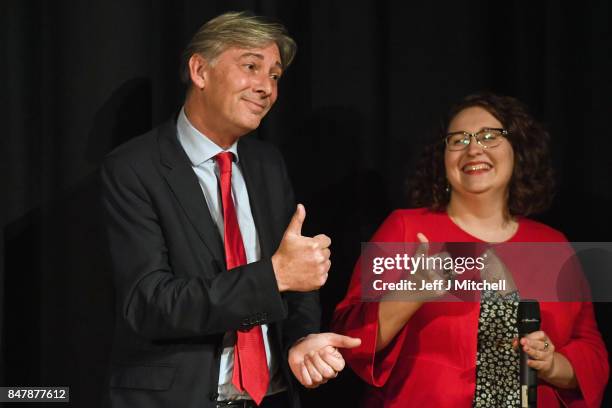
[(301, 263), (315, 358)]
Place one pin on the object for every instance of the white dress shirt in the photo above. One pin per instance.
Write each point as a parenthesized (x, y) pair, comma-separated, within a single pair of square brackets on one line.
[(201, 152)]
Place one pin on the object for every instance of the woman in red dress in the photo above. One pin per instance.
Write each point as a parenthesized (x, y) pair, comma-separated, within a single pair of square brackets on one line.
[(488, 172)]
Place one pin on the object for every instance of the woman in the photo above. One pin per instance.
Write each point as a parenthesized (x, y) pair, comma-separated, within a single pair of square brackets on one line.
[(486, 173)]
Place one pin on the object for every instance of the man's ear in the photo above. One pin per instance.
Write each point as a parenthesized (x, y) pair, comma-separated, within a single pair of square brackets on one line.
[(197, 71)]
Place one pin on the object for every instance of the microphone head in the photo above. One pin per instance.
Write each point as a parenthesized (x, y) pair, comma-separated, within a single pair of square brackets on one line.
[(528, 316)]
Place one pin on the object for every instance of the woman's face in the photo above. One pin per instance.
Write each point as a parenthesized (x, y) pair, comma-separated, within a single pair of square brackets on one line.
[(475, 169)]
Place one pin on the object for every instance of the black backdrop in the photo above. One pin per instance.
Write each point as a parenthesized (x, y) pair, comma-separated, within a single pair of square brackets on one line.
[(369, 84)]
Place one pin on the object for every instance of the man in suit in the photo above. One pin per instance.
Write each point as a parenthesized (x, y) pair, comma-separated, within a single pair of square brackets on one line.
[(216, 286)]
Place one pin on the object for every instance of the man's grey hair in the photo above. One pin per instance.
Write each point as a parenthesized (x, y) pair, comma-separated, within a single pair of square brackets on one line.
[(237, 29)]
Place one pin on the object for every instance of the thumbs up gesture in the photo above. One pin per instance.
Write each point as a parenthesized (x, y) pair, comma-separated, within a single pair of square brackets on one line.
[(430, 274), (301, 263)]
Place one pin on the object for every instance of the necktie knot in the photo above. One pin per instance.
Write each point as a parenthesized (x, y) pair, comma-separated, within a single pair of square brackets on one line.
[(224, 161)]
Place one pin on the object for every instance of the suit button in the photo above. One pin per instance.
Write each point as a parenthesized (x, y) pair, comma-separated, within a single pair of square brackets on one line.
[(213, 396)]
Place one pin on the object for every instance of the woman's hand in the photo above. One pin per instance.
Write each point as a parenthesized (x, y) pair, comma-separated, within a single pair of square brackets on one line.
[(541, 352), (398, 307), (434, 278), (551, 366), (495, 270)]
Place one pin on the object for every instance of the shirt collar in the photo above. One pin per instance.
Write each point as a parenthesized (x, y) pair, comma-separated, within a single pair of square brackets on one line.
[(198, 146)]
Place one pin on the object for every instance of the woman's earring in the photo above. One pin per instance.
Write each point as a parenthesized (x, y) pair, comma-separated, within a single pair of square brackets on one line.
[(447, 188)]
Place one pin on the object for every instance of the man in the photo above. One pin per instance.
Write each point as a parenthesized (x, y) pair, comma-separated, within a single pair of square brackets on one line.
[(216, 286)]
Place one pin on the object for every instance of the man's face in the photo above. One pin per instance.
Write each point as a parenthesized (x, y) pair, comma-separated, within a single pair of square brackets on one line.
[(241, 87)]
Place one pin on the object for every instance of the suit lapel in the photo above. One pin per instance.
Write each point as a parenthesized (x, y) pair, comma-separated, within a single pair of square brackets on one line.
[(184, 184), (252, 168)]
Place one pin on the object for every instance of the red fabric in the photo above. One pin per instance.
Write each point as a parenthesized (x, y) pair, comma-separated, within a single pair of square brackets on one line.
[(250, 364), (431, 361)]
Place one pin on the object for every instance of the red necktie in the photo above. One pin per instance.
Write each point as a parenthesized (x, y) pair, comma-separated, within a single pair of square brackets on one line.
[(250, 364)]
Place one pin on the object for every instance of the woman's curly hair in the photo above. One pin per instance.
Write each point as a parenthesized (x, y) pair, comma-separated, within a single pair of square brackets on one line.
[(532, 183)]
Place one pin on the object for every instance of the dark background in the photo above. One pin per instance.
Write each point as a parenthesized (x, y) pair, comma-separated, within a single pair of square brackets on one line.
[(368, 86)]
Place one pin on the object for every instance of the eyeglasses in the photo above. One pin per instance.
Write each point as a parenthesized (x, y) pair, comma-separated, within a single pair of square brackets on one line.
[(485, 137)]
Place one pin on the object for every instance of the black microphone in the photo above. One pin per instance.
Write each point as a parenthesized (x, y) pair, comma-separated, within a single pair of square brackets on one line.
[(528, 321)]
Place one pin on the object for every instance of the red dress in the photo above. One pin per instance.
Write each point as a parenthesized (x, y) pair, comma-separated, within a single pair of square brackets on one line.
[(432, 361)]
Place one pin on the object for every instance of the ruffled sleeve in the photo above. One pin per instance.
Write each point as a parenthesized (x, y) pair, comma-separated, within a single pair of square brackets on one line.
[(585, 349), (588, 356), (355, 318)]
